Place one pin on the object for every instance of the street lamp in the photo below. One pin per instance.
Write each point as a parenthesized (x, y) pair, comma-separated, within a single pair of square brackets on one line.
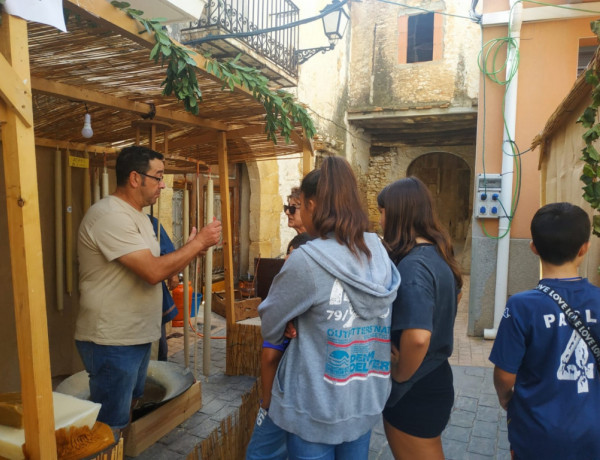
[(335, 20)]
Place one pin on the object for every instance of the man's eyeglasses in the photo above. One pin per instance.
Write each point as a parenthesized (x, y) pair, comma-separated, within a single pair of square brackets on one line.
[(157, 179), (291, 209)]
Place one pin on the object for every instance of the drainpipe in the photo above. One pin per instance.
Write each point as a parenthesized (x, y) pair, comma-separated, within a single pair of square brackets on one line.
[(510, 118)]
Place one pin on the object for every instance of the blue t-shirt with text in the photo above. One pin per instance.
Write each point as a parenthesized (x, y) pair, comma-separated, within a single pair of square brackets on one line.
[(554, 412)]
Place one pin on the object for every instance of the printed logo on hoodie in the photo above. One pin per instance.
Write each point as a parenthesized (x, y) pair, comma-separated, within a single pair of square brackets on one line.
[(354, 352)]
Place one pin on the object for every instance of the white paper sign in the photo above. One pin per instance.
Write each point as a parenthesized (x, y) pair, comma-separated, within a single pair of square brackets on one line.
[(43, 11)]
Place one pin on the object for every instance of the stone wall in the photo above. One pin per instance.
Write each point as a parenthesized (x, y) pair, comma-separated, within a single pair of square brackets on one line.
[(265, 206), (290, 175), (380, 80), (393, 165)]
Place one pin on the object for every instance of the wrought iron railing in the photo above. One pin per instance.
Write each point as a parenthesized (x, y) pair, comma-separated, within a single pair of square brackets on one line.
[(222, 17)]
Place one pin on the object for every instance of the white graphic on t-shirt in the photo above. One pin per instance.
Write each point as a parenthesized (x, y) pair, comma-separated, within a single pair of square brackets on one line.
[(506, 313), (581, 370), (352, 316), (337, 294), (336, 297)]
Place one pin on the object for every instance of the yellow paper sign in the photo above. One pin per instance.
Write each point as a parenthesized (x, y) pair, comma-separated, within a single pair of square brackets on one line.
[(79, 162)]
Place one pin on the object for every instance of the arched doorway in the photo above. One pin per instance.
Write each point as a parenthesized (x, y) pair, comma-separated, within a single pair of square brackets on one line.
[(448, 178)]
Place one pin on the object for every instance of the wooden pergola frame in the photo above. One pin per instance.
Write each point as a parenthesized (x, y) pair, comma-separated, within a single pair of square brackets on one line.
[(18, 120)]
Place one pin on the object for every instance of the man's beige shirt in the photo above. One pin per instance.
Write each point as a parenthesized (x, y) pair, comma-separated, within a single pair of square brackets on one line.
[(117, 307)]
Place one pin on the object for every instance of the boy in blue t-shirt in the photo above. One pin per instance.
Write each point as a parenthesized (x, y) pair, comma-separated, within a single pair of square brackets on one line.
[(546, 376)]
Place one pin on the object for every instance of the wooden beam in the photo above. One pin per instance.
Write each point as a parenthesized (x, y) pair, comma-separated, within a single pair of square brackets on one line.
[(192, 161), (111, 18), (81, 147), (15, 92), (227, 226), (189, 141), (55, 88), (22, 205), (78, 146), (294, 136)]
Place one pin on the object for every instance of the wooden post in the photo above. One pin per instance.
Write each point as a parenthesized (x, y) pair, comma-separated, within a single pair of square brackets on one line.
[(96, 185), (59, 233), (208, 266), (306, 156), (87, 188), (226, 220), (186, 279), (105, 192), (68, 225), (22, 204)]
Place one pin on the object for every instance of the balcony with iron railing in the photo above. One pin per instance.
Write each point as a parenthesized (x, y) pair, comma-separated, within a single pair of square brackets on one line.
[(272, 52)]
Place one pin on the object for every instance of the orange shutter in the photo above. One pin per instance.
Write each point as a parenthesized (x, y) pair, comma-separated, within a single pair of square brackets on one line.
[(402, 38), (438, 34)]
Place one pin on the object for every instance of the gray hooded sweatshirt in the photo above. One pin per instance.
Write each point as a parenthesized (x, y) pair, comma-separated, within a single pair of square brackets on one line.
[(334, 378)]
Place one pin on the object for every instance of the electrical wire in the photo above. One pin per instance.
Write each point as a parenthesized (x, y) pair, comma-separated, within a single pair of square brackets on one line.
[(488, 55), (426, 10), (200, 334), (472, 19), (561, 6), (490, 50)]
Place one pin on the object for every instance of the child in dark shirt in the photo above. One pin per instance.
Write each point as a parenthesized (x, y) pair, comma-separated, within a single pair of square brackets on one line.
[(546, 376)]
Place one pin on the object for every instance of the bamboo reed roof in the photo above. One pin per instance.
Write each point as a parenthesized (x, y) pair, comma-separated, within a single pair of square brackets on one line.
[(104, 62)]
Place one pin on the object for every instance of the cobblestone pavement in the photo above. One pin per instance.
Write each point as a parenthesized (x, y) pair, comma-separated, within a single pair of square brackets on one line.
[(477, 428)]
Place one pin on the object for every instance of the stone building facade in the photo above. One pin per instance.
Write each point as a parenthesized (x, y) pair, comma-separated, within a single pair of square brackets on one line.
[(387, 115), (413, 93), (384, 114)]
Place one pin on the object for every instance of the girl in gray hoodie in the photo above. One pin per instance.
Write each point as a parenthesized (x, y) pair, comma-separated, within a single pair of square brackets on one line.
[(334, 378)]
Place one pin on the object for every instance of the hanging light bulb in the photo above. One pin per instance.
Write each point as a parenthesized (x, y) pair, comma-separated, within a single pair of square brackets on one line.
[(87, 125)]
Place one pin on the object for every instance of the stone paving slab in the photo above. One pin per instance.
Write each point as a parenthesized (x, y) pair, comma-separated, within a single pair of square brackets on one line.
[(477, 428)]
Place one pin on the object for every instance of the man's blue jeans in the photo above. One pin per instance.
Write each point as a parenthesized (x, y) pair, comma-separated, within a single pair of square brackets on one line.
[(299, 449), (117, 375), (268, 440)]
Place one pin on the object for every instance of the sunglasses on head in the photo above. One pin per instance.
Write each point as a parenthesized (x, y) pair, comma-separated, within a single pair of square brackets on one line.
[(291, 208)]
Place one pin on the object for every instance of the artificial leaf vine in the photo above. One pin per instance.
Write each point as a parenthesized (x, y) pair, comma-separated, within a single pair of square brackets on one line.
[(591, 157), (181, 74), (282, 111)]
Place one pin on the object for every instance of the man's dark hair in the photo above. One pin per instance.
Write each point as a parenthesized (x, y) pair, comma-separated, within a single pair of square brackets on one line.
[(298, 241), (558, 231), (134, 158)]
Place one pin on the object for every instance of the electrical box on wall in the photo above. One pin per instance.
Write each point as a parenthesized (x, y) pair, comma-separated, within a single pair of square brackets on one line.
[(487, 201)]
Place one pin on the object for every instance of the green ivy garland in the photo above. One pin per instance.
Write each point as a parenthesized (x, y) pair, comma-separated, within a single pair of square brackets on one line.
[(282, 111), (591, 157)]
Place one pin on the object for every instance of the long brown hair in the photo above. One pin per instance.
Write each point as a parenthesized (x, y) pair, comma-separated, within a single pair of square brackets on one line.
[(337, 206), (409, 214)]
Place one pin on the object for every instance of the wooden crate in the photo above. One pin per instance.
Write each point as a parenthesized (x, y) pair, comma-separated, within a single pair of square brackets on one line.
[(145, 431), (244, 308)]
